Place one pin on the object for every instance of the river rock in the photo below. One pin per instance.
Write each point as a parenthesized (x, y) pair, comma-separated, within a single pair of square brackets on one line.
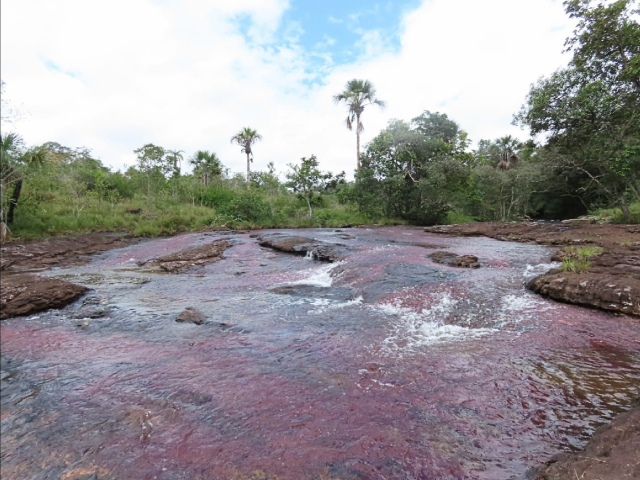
[(191, 315), (611, 454), (608, 292), (325, 252), (185, 259), (453, 260), (24, 294)]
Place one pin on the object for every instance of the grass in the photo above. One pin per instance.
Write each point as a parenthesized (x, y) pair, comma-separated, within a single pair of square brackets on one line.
[(163, 216), (614, 215), (574, 265), (576, 259), (582, 253)]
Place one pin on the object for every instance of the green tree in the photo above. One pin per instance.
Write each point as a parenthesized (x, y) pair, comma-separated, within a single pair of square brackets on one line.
[(590, 110), (307, 181), (151, 161), (206, 165), (246, 138), (414, 171), (357, 94)]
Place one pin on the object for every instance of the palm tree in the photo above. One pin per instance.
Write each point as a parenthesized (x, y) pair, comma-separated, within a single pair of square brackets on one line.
[(206, 164), (508, 146), (174, 160), (245, 138), (357, 95)]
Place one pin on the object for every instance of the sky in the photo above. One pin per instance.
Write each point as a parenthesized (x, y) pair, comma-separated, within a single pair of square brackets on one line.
[(189, 74)]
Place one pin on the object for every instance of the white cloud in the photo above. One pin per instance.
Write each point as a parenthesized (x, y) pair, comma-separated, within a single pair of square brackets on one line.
[(182, 75)]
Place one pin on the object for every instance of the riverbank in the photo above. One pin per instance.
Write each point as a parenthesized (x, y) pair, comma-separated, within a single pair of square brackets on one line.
[(599, 265)]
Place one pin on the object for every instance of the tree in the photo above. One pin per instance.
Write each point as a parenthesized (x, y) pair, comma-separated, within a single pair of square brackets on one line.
[(151, 162), (15, 162), (591, 109), (174, 160), (414, 171), (246, 138), (357, 94), (307, 180), (206, 165)]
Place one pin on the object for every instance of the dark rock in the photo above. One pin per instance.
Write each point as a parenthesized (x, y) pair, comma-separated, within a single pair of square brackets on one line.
[(191, 315), (453, 260), (312, 291), (24, 294), (134, 211)]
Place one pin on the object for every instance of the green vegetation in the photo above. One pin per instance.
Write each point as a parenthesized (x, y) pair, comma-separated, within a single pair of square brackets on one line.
[(421, 171), (575, 266)]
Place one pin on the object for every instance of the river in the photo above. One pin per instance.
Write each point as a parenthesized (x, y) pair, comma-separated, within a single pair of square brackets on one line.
[(383, 365)]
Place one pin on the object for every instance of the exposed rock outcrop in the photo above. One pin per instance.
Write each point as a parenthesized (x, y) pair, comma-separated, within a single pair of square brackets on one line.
[(191, 315), (453, 260), (185, 259), (24, 294), (608, 292), (325, 252)]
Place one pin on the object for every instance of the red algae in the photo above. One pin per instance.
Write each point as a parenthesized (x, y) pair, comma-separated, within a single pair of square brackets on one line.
[(418, 371)]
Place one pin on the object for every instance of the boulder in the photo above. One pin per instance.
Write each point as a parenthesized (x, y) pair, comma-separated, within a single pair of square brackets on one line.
[(191, 315), (25, 294), (453, 260)]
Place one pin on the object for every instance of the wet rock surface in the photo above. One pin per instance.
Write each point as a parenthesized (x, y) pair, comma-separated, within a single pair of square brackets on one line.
[(609, 281), (451, 259), (192, 257), (611, 454), (43, 254), (322, 251), (24, 294), (378, 365)]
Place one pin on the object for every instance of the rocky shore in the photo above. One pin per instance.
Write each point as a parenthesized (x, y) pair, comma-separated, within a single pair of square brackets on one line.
[(606, 271)]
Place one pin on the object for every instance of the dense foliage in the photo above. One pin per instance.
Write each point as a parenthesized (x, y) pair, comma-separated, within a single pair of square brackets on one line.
[(421, 171)]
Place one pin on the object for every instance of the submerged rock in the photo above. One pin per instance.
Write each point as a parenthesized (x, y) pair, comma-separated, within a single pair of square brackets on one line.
[(191, 315), (24, 294), (453, 260)]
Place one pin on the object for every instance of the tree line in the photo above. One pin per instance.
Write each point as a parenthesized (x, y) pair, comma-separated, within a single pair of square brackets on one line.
[(419, 171)]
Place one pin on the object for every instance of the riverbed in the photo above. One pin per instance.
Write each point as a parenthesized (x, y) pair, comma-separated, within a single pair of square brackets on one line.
[(380, 365)]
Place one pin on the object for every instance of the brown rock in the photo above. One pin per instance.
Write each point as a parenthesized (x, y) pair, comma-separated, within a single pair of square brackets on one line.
[(191, 315), (611, 454), (453, 260), (180, 261), (24, 294), (608, 292)]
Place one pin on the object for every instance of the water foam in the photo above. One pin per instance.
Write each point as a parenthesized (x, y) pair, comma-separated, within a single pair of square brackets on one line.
[(531, 271), (317, 277), (427, 327)]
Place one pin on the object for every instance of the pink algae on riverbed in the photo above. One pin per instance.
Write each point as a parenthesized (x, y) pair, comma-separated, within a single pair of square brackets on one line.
[(383, 365)]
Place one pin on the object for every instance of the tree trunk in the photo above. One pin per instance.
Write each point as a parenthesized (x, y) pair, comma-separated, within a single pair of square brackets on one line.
[(358, 143), (248, 172), (625, 211), (13, 203)]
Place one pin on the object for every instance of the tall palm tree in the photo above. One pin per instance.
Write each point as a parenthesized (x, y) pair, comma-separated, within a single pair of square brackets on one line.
[(508, 146), (174, 159), (357, 95), (245, 138)]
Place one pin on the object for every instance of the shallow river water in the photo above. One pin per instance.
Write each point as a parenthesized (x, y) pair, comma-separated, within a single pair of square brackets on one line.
[(381, 366)]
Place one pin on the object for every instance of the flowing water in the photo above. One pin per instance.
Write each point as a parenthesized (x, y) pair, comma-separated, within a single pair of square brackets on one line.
[(381, 366)]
